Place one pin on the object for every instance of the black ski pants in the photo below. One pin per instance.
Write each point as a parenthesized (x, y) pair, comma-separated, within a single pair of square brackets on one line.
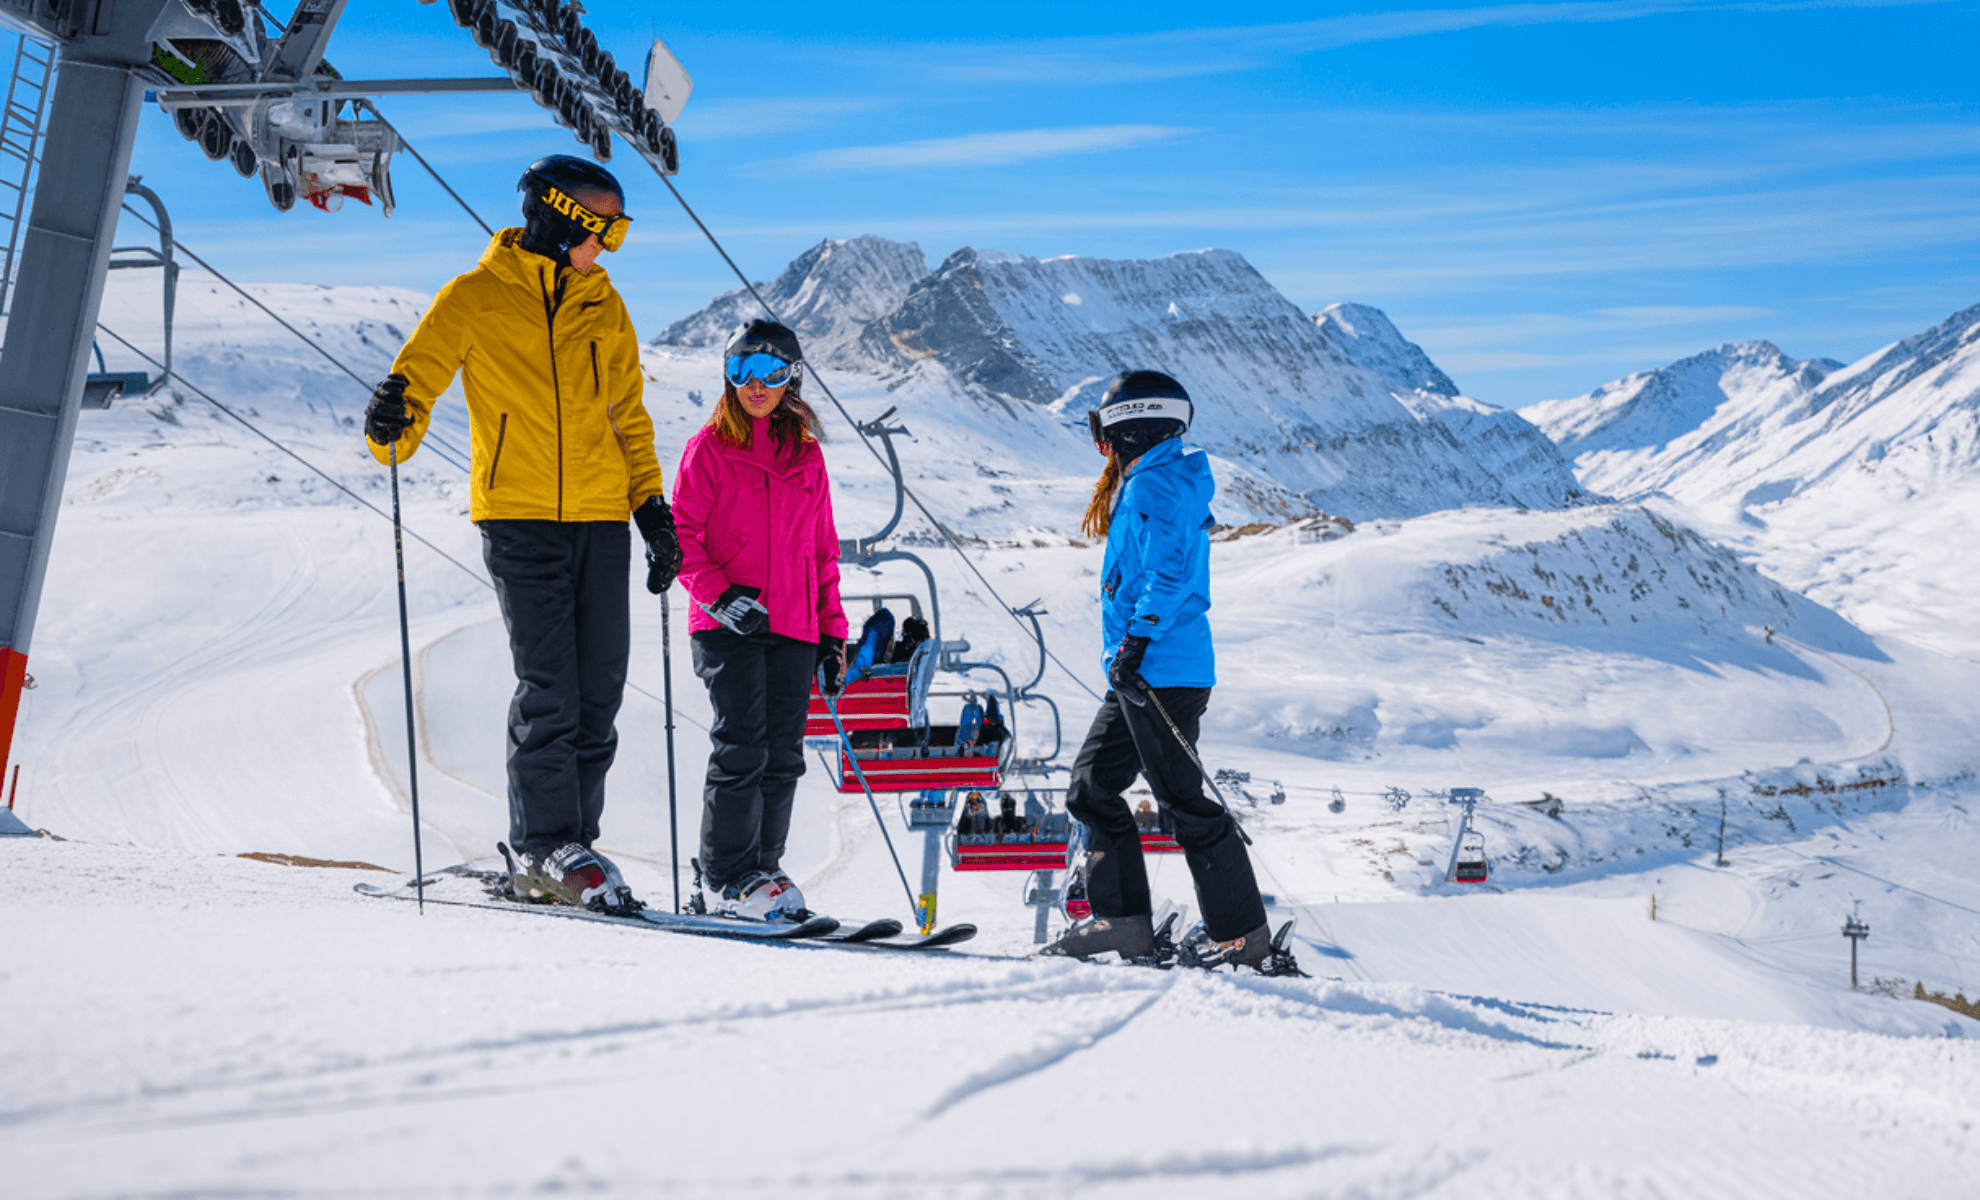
[(759, 687), (562, 587), (1128, 740)]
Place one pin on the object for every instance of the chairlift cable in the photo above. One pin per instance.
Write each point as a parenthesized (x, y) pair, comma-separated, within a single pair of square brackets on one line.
[(444, 449), (320, 472), (333, 481), (940, 528), (408, 146)]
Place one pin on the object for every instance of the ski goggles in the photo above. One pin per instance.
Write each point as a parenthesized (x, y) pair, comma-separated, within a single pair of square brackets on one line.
[(773, 371), (611, 230)]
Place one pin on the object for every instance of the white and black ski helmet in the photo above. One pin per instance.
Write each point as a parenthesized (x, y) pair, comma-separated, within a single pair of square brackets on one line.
[(1140, 410), (765, 337), (547, 229)]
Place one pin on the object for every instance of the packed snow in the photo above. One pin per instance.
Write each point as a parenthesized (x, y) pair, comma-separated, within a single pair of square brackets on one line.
[(1620, 1012)]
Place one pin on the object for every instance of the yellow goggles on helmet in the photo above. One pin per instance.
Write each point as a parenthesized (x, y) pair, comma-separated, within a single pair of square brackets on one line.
[(611, 230)]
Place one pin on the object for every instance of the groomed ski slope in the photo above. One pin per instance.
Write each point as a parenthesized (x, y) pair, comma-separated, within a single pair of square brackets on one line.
[(265, 1032), (218, 673)]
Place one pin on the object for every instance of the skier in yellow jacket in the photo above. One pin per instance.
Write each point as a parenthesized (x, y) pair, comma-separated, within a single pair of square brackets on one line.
[(562, 451)]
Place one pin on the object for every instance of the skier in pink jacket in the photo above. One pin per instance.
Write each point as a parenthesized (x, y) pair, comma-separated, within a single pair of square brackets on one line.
[(760, 558)]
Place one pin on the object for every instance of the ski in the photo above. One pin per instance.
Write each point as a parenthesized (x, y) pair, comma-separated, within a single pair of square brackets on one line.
[(885, 934), (498, 897)]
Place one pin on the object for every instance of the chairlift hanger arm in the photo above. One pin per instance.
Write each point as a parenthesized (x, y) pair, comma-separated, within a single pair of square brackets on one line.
[(243, 95)]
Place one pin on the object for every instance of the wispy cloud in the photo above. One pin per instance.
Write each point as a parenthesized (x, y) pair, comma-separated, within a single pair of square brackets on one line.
[(986, 149), (721, 120), (1173, 54)]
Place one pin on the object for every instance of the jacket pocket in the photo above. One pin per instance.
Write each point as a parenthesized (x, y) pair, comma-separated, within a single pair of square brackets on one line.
[(596, 384), (501, 434)]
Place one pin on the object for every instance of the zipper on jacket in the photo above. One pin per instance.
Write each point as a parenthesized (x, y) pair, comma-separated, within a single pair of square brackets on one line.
[(501, 432), (596, 386), (556, 388)]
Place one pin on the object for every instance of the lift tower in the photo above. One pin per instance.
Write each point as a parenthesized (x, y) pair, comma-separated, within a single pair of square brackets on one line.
[(65, 254)]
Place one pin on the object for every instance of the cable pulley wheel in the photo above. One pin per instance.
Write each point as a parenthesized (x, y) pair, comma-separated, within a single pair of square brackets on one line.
[(216, 136), (244, 158)]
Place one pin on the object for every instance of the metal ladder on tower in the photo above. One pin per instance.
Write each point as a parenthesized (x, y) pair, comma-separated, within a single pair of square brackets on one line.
[(28, 87)]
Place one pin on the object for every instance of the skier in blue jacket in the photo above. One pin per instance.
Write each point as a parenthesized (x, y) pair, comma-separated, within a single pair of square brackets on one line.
[(1152, 504)]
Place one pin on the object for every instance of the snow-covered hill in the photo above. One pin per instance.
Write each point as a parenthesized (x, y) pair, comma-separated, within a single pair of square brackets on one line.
[(1326, 409), (1615, 1014), (1849, 483)]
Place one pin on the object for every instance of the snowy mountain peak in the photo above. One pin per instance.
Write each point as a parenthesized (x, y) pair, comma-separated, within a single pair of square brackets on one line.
[(828, 294), (1340, 411), (1367, 336), (1651, 410), (1936, 357)]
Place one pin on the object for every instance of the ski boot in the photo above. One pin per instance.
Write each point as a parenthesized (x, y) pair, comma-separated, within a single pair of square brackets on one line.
[(1133, 938), (1261, 950), (788, 901), (571, 874), (761, 896)]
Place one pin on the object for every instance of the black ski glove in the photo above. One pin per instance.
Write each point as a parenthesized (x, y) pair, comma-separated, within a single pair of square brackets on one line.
[(738, 610), (663, 544), (832, 661), (386, 418), (1125, 673)]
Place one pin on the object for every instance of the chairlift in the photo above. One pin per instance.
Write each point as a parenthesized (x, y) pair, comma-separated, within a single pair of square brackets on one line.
[(104, 385), (1468, 863), (1471, 864)]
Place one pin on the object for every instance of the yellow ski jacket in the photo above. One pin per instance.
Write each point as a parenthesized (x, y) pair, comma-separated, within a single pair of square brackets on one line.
[(550, 366)]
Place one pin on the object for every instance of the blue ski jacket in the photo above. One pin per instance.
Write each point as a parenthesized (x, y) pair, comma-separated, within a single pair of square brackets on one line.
[(1155, 582)]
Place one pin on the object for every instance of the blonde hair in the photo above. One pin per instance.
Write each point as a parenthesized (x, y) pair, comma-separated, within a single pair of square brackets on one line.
[(1100, 509)]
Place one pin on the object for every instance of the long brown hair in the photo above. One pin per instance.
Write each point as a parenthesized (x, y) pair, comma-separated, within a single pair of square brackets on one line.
[(792, 423), (1100, 510)]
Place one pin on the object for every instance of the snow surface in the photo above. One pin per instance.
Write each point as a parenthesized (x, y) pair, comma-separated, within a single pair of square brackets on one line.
[(1614, 1015)]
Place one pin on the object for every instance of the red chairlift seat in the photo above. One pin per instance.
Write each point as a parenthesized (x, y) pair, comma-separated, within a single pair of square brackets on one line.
[(887, 697), (895, 761), (879, 702)]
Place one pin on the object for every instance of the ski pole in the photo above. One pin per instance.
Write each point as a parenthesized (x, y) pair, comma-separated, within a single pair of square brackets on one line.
[(1191, 751), (846, 741), (667, 672), (405, 660)]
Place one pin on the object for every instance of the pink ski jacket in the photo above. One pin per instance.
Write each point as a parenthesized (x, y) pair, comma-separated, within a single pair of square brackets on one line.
[(761, 519)]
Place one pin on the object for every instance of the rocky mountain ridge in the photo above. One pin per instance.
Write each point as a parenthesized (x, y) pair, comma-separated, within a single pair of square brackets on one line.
[(1338, 408)]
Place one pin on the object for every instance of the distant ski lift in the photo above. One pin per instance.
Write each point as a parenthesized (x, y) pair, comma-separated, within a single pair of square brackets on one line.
[(1468, 864), (1471, 864)]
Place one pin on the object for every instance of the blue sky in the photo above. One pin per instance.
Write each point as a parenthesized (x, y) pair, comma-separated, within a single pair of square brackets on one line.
[(1546, 196)]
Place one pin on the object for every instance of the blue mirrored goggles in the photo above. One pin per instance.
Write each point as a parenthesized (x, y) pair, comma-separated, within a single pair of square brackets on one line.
[(773, 371)]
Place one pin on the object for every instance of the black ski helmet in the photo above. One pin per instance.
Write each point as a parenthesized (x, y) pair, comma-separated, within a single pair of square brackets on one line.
[(546, 230), (765, 337), (1140, 410)]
